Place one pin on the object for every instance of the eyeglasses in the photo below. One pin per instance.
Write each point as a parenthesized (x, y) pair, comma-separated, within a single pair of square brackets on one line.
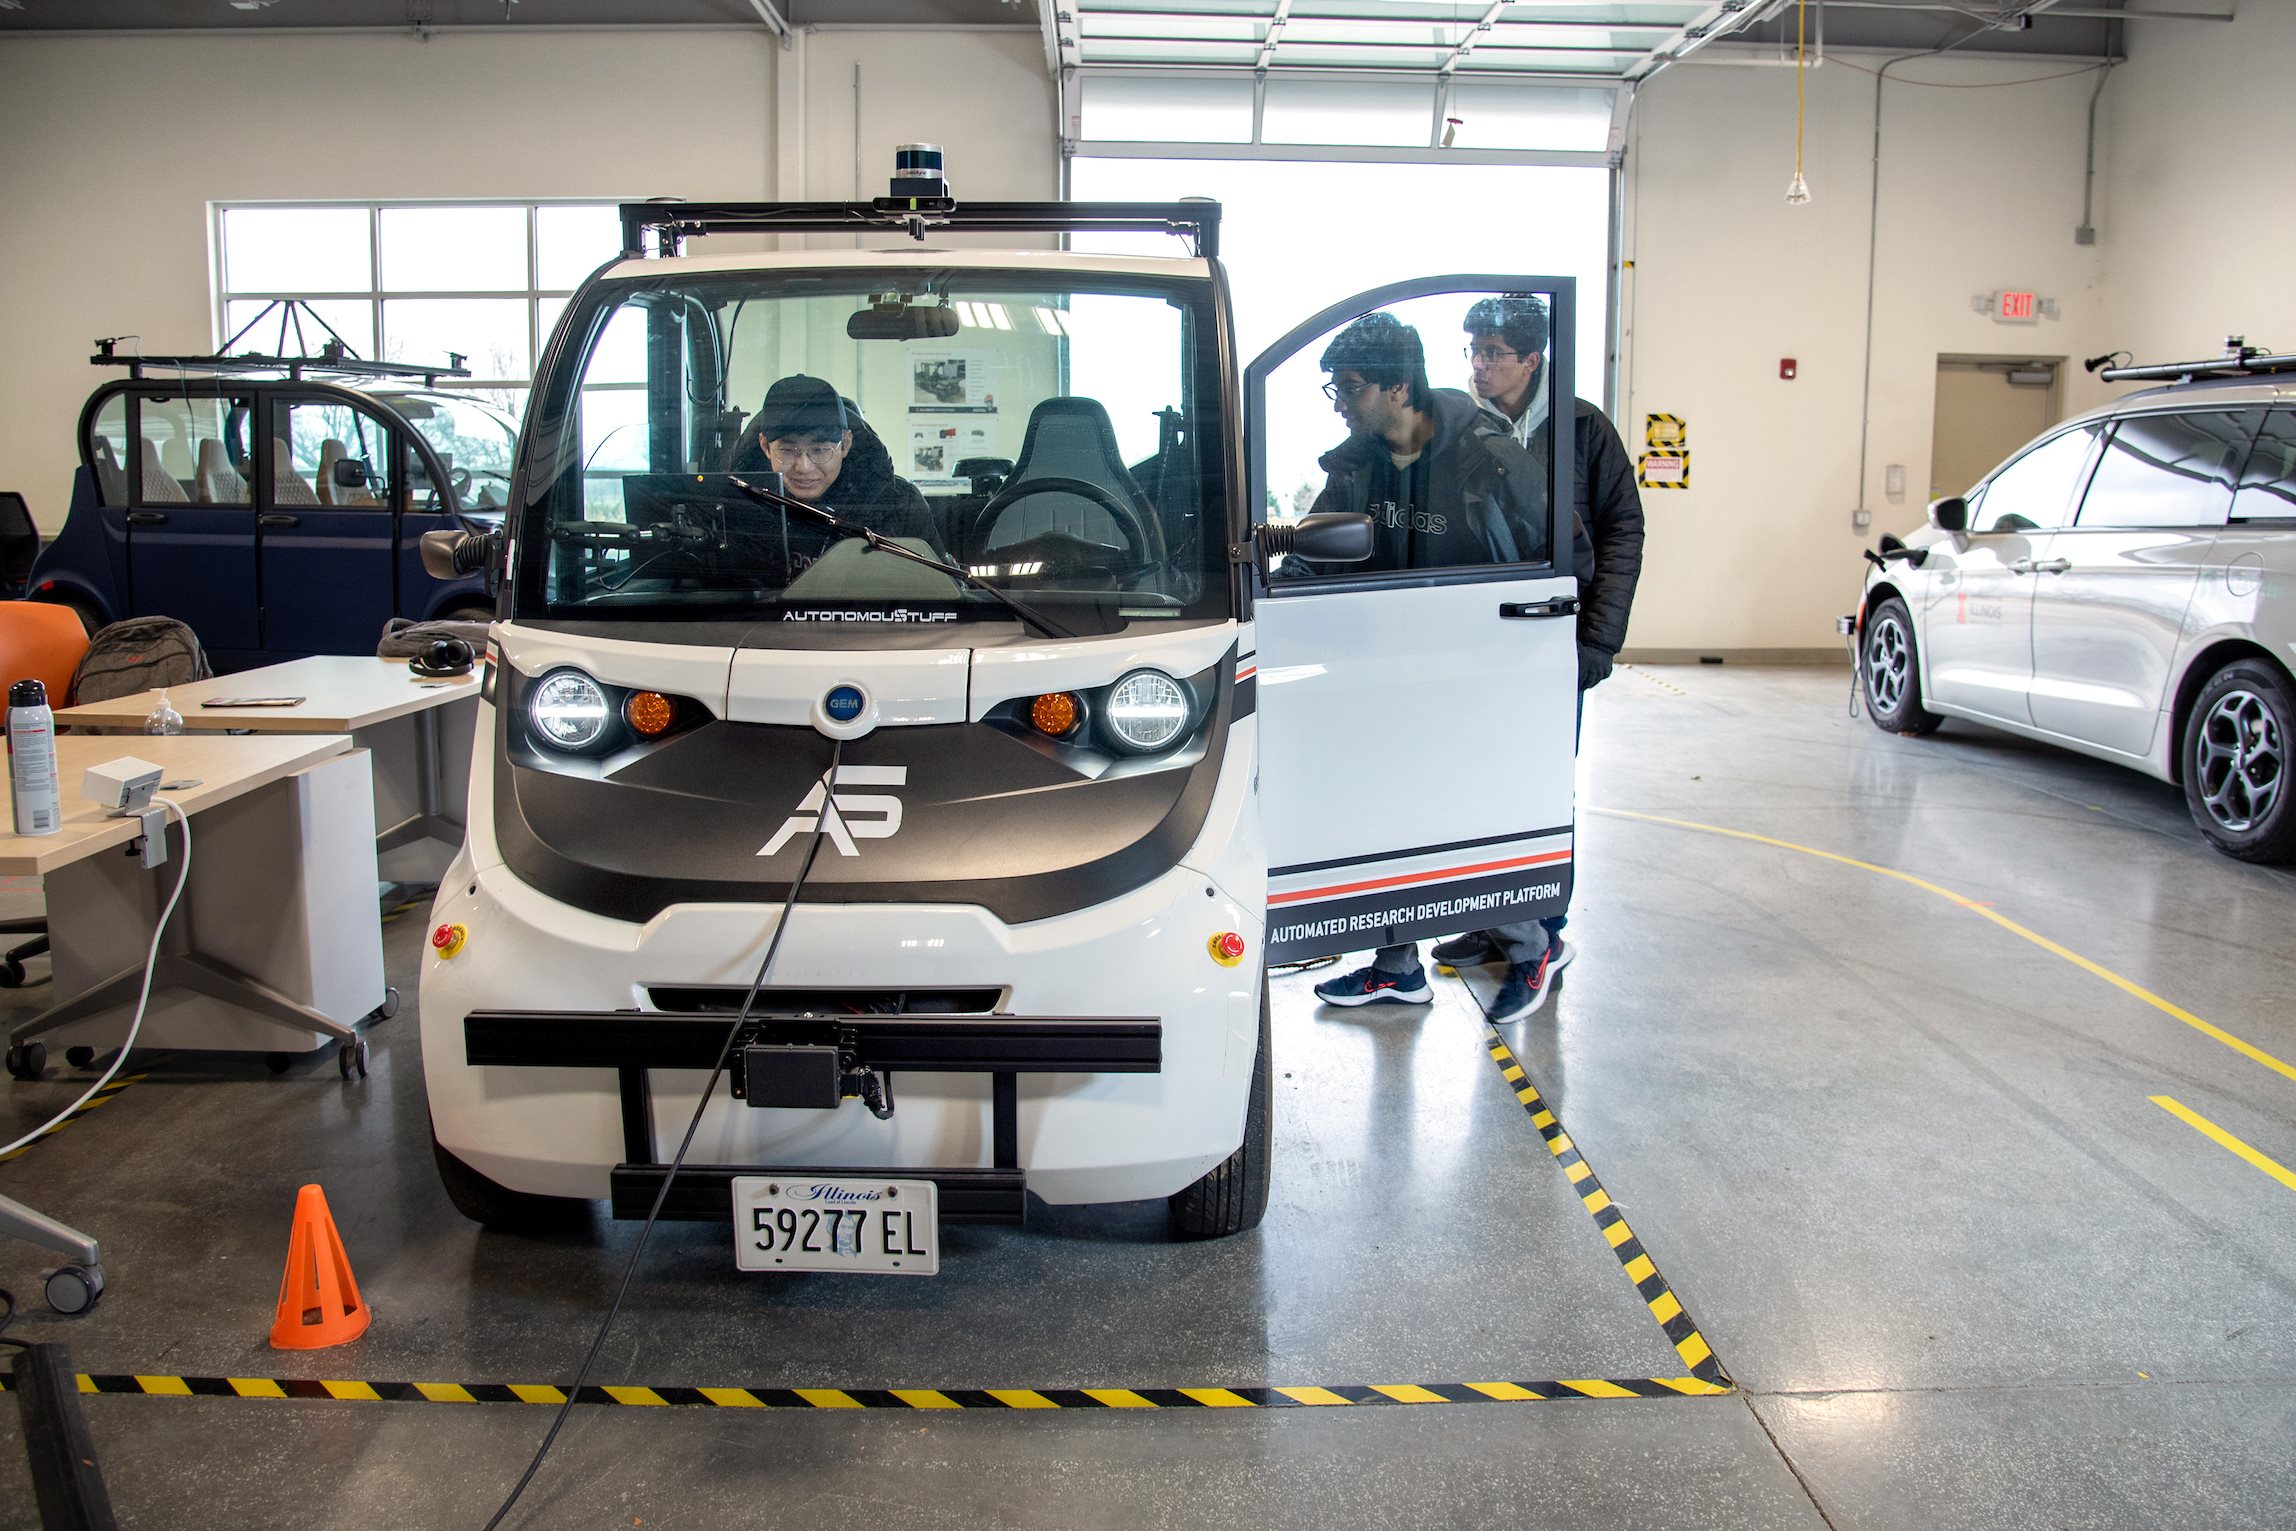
[(819, 453), (1337, 391), (1490, 353)]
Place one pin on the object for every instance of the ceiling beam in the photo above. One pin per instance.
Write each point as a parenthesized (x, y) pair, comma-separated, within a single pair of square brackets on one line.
[(1274, 34)]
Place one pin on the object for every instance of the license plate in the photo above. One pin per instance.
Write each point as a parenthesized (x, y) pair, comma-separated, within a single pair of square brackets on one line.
[(870, 1227)]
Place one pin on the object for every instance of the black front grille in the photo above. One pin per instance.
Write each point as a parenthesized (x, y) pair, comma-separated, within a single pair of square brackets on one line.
[(725, 999)]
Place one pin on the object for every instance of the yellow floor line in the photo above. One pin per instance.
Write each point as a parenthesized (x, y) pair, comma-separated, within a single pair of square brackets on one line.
[(2223, 1139), (2136, 990)]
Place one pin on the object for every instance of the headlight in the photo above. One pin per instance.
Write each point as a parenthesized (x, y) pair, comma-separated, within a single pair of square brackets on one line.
[(569, 710), (1146, 711)]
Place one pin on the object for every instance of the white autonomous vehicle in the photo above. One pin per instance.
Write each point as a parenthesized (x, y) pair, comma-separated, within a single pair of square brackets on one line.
[(950, 791)]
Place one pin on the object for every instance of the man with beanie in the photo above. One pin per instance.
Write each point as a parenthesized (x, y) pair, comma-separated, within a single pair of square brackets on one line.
[(827, 455), (1443, 490)]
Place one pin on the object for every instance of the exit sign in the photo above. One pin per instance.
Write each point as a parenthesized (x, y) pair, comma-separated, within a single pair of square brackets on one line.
[(2016, 308)]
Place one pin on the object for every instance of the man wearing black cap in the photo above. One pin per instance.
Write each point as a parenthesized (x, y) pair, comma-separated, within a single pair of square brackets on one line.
[(827, 455)]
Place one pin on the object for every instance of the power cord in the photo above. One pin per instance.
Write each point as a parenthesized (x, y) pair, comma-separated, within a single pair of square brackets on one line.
[(151, 964), (693, 1124)]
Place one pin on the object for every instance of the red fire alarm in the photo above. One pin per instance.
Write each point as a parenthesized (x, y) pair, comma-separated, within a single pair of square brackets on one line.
[(1786, 366)]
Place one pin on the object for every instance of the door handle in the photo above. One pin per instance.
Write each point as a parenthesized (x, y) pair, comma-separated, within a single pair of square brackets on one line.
[(277, 518), (146, 518), (1526, 611), (2020, 566), (2053, 566)]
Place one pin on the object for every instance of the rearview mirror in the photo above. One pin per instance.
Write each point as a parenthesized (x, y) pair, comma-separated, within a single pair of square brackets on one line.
[(1331, 536), (1950, 514), (349, 473), (902, 320)]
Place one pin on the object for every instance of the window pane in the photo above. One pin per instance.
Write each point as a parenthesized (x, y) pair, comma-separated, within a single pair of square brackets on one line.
[(352, 318), (297, 249), (317, 436), (194, 451), (454, 249), (1168, 110), (1348, 112), (2036, 490), (572, 242), (2168, 470), (491, 332), (111, 451), (1526, 117), (2268, 487)]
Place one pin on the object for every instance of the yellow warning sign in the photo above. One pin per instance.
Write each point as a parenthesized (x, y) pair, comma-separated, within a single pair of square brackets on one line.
[(1665, 433), (1663, 470)]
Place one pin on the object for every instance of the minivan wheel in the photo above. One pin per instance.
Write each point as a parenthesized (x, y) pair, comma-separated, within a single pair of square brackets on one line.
[(2237, 778), (1233, 1195), (1891, 674)]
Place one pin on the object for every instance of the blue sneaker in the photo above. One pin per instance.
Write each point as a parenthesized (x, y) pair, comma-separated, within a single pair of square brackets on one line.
[(1526, 987), (1369, 986)]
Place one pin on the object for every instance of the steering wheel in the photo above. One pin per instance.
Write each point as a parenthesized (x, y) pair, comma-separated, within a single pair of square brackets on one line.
[(1128, 522), (460, 479)]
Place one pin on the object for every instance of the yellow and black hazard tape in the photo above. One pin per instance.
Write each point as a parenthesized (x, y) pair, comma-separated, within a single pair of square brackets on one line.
[(1643, 673), (1672, 1317), (102, 1097), (909, 1398)]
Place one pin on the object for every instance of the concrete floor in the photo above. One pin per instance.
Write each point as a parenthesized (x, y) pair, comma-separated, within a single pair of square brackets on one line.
[(1898, 1160)]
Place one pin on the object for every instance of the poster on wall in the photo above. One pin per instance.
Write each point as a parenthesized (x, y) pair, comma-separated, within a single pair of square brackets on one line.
[(951, 382), (938, 446)]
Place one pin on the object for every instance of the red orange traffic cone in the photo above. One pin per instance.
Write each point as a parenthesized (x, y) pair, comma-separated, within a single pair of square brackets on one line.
[(318, 1297)]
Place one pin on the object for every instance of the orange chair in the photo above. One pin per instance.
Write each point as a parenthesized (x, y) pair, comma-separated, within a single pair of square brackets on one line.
[(43, 642)]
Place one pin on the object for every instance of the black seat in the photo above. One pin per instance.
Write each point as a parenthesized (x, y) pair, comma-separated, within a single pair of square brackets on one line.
[(1068, 438), (19, 544)]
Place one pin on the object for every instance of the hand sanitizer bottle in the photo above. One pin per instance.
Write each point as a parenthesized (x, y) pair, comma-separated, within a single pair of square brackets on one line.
[(163, 719)]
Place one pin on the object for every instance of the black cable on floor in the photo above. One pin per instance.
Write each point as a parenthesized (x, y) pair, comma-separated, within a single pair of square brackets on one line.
[(693, 1124)]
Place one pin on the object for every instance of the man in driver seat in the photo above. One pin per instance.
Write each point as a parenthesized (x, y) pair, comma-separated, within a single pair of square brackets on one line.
[(828, 456)]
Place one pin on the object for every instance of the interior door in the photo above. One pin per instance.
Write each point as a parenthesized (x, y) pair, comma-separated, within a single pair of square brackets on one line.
[(1418, 712), (191, 519), (327, 547), (1977, 608), (2110, 591)]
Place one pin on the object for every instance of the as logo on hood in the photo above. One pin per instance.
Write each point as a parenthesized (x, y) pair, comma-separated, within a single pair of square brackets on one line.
[(844, 817)]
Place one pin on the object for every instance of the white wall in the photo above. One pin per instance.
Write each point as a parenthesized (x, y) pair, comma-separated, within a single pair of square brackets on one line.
[(1980, 190), (983, 96)]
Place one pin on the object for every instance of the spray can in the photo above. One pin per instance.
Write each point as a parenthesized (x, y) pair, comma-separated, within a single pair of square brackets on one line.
[(32, 760)]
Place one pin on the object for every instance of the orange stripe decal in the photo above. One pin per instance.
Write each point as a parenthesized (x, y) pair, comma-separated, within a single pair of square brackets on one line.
[(1443, 874)]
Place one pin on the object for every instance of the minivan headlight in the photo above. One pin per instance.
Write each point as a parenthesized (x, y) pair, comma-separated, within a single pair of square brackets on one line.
[(568, 710), (1146, 711)]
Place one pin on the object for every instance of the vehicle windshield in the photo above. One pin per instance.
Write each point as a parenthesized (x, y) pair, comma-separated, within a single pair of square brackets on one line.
[(475, 442), (1055, 434)]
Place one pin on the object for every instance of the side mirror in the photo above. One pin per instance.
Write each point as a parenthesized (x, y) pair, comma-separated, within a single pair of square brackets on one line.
[(452, 554), (349, 473), (1329, 537), (1950, 514)]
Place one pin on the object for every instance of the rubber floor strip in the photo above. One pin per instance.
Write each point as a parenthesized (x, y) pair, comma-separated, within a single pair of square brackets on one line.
[(102, 1097)]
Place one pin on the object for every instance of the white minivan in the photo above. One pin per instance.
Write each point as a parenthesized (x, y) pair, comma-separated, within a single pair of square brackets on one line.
[(953, 848)]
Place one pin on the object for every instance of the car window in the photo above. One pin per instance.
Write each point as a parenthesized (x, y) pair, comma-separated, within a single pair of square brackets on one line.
[(193, 451), (2169, 469), (314, 440), (2036, 491), (2268, 486), (108, 451)]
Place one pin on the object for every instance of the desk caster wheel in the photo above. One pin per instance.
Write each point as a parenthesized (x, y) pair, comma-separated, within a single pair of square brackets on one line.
[(28, 1060), (351, 1057), (388, 1008), (278, 1063), (75, 1289), (11, 973), (80, 1057)]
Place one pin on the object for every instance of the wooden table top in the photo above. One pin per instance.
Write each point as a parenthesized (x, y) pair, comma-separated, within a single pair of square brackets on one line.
[(224, 767), (341, 694)]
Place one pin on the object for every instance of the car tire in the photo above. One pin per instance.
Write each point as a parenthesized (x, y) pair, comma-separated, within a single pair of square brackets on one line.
[(2238, 780), (498, 1207), (1889, 671), (90, 618), (1234, 1195)]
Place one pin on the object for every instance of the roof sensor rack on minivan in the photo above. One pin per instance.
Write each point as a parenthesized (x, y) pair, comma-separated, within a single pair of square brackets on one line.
[(2240, 359)]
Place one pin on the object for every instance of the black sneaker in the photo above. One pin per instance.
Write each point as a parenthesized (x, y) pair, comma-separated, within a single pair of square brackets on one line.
[(1524, 991), (1472, 950), (1369, 986)]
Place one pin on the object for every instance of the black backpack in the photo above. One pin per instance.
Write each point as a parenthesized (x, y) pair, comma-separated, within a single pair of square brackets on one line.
[(138, 655)]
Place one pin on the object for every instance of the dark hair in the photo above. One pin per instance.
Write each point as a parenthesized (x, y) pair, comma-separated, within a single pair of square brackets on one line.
[(1518, 319), (1386, 351)]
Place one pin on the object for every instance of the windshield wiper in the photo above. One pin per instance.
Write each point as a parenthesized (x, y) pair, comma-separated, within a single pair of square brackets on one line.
[(884, 544)]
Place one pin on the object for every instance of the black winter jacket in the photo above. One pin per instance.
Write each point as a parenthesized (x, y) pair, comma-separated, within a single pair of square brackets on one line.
[(1485, 497), (867, 489), (1606, 536)]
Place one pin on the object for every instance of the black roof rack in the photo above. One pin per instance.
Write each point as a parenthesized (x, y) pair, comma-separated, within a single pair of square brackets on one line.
[(335, 357), (2240, 359), (1197, 221)]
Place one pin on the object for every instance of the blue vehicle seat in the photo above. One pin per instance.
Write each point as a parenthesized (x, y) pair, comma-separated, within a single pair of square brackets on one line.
[(219, 482), (287, 486), (160, 487)]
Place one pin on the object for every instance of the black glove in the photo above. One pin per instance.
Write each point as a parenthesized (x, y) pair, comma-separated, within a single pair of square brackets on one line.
[(1593, 666)]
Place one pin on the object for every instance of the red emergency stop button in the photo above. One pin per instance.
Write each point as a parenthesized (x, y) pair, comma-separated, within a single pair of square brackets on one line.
[(448, 939), (1227, 948)]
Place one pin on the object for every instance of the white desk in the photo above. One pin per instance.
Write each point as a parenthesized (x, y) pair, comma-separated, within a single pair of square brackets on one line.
[(419, 731)]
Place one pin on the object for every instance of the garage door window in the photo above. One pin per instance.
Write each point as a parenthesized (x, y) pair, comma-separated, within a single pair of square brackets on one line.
[(2268, 486), (2169, 470), (2036, 491)]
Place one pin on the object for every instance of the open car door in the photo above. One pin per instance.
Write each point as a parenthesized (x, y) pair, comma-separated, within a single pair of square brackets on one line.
[(1418, 712)]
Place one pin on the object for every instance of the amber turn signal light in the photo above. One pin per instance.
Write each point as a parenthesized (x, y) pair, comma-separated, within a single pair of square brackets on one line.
[(1054, 713), (649, 713)]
